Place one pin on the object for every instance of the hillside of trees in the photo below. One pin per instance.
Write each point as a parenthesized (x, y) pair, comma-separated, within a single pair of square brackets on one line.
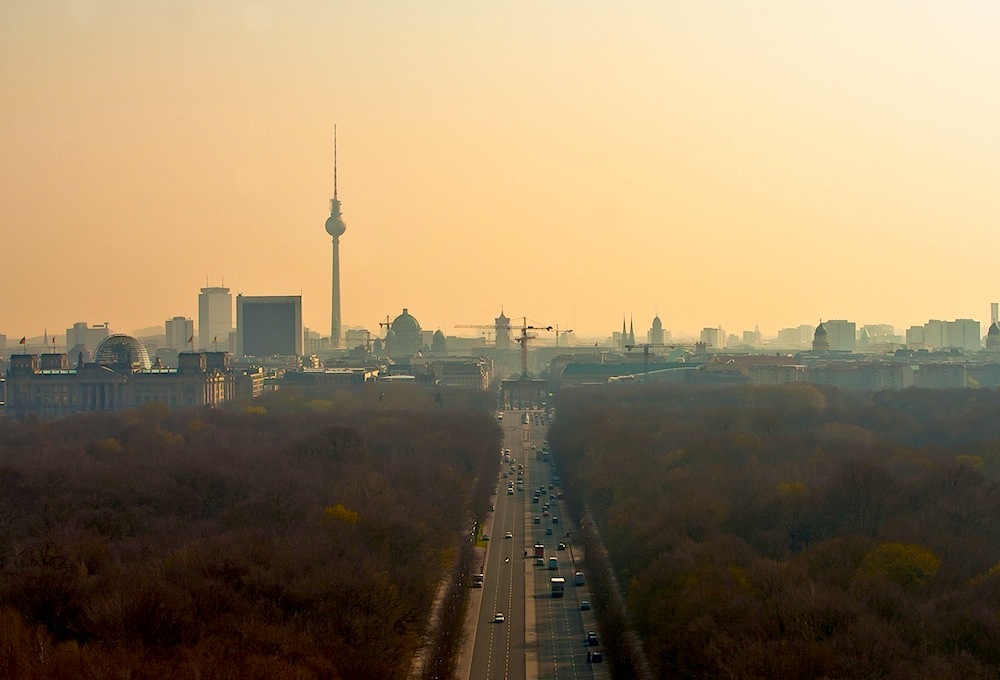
[(294, 538), (796, 532)]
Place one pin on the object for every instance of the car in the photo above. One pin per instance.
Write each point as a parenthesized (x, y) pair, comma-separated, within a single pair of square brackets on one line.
[(592, 639), (548, 531), (555, 520), (596, 656), (539, 561), (584, 605), (561, 546), (486, 537), (538, 520), (498, 617), (509, 534)]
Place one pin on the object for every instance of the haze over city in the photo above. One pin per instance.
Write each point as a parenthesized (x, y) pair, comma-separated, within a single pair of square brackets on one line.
[(720, 163)]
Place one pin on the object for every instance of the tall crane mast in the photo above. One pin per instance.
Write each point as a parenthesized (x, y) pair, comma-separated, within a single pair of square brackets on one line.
[(522, 339)]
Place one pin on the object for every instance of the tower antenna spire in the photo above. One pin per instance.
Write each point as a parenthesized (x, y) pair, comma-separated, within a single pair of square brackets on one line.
[(335, 161)]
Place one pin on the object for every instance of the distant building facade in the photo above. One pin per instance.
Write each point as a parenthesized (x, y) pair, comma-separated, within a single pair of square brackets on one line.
[(961, 334), (81, 335), (405, 336), (714, 338), (120, 377), (215, 318), (821, 339), (656, 334), (178, 331), (842, 334), (269, 325)]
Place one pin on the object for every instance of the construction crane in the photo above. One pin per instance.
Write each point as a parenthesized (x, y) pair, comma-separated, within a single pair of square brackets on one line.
[(645, 349), (561, 332), (522, 339), (388, 359)]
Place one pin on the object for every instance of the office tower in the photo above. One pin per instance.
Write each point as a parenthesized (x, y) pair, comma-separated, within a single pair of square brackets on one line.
[(268, 325), (843, 334), (178, 331), (335, 227), (83, 336), (215, 319)]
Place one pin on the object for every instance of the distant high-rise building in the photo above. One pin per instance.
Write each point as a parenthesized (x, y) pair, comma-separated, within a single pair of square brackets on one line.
[(655, 335), (714, 338), (964, 334), (936, 334), (81, 335), (178, 331), (215, 319), (502, 330), (269, 325), (843, 334), (335, 227)]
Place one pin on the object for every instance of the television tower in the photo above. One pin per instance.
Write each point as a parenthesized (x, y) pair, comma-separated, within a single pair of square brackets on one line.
[(335, 227)]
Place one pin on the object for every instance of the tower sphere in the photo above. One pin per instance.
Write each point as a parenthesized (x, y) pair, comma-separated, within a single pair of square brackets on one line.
[(335, 222)]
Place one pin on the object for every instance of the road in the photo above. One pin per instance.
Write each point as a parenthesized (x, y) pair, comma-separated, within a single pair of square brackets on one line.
[(541, 636)]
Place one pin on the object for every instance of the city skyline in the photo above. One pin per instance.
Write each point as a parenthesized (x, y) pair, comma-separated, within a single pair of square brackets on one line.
[(715, 165)]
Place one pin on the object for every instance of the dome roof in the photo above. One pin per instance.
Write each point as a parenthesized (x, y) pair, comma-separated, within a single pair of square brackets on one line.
[(994, 330), (122, 349), (404, 323), (657, 324), (821, 329)]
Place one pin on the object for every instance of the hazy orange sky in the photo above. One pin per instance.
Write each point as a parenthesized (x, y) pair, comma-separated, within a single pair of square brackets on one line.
[(720, 163)]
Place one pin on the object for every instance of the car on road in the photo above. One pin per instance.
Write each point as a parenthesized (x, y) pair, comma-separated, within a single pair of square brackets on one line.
[(486, 537), (548, 531), (596, 656), (584, 605), (498, 617), (509, 534), (561, 546), (592, 640)]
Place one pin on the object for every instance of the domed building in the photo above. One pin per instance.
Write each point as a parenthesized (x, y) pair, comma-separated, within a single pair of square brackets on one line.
[(122, 350), (993, 338), (438, 343), (405, 336), (821, 340), (120, 377)]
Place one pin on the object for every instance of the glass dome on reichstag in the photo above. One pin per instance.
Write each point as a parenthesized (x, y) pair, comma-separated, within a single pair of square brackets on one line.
[(122, 349)]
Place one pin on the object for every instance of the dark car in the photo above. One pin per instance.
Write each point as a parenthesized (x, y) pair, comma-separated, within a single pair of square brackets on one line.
[(592, 639)]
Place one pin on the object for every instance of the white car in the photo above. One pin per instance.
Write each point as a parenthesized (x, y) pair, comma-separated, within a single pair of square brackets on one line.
[(509, 534), (498, 617)]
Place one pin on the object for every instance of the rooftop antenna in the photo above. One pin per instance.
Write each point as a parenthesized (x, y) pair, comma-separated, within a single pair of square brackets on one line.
[(335, 161)]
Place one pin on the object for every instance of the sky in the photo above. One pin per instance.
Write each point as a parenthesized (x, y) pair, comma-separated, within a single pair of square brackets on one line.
[(720, 163)]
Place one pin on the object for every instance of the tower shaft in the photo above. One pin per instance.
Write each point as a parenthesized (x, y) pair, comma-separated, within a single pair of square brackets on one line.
[(335, 305)]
